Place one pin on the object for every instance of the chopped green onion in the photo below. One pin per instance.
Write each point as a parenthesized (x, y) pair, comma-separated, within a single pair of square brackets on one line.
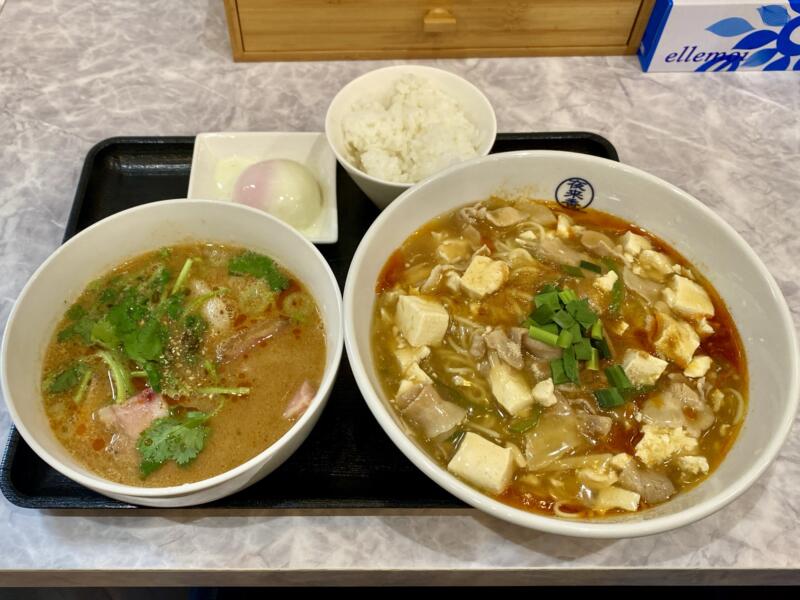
[(572, 270), (609, 398), (639, 390), (182, 276), (523, 425), (591, 266), (565, 338), (138, 374), (541, 334), (575, 330), (571, 365), (602, 346), (547, 298), (557, 372), (82, 387), (233, 391), (567, 296), (585, 315), (617, 296), (543, 314), (597, 330), (611, 264), (593, 364), (581, 312), (551, 328), (583, 349), (617, 377), (563, 319)]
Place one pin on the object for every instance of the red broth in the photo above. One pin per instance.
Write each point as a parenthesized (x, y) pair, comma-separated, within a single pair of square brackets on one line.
[(570, 455)]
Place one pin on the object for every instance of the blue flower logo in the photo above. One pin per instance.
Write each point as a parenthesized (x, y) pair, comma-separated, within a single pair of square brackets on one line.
[(770, 44)]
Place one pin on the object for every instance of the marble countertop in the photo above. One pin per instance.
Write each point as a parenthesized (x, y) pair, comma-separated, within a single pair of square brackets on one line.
[(73, 73)]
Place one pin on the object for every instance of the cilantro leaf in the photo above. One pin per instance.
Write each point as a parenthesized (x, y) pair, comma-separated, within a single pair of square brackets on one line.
[(173, 306), (172, 438), (75, 312), (154, 376), (127, 315), (146, 343), (103, 333), (258, 265), (66, 379), (81, 328)]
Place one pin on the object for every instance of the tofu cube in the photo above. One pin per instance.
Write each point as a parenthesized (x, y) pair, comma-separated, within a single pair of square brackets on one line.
[(452, 281), (621, 460), (693, 465), (688, 298), (415, 374), (510, 389), (408, 356), (483, 464), (564, 226), (642, 368), (453, 251), (484, 276), (615, 497), (544, 393), (698, 366), (633, 244), (520, 257), (422, 322), (676, 339), (606, 282), (704, 328), (660, 444), (656, 265), (716, 397)]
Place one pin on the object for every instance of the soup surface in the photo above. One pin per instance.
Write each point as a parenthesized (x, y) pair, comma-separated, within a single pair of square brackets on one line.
[(564, 362), (182, 363)]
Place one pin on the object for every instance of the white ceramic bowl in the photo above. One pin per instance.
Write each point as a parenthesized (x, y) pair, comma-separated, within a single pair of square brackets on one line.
[(750, 292), (90, 254), (381, 83)]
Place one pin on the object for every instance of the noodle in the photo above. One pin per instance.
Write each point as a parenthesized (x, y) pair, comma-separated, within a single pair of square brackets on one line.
[(484, 430), (455, 346), (565, 514), (739, 405)]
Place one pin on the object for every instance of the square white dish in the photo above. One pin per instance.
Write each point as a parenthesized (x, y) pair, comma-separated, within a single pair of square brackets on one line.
[(245, 148)]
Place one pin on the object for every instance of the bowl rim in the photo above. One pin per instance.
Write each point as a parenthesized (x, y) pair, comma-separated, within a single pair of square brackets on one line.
[(481, 501), (106, 486), (409, 68)]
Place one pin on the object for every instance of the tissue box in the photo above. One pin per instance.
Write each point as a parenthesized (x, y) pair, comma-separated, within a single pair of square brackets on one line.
[(717, 35)]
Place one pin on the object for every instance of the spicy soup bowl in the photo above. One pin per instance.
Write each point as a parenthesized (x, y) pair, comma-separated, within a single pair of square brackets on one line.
[(99, 248), (750, 292)]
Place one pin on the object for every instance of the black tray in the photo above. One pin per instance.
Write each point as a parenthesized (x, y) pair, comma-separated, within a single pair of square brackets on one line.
[(347, 462)]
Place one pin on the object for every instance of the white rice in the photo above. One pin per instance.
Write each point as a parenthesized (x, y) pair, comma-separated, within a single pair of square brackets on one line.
[(417, 131)]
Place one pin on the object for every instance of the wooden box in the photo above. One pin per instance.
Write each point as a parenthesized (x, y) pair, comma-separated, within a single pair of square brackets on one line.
[(381, 29)]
